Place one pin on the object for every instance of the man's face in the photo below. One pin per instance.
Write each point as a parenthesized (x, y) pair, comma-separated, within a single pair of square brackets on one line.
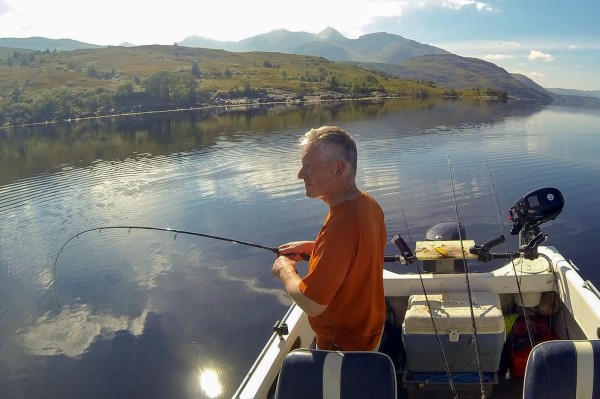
[(318, 173)]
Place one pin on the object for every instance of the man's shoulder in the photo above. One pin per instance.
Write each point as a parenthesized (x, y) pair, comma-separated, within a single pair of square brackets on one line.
[(368, 198)]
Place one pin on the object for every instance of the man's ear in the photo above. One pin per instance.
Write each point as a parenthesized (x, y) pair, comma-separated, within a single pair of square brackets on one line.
[(340, 167)]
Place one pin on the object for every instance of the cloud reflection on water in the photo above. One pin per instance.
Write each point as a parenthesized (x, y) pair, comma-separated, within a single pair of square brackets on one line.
[(73, 331)]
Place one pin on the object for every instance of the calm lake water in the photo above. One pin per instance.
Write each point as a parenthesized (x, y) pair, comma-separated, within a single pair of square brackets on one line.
[(147, 314)]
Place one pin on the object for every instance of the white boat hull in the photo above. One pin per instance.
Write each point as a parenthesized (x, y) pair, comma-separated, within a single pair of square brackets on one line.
[(580, 307)]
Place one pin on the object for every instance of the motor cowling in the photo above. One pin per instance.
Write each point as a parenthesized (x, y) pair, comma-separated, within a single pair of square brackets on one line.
[(535, 208), (445, 231)]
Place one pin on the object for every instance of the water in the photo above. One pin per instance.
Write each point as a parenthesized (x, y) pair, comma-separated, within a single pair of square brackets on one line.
[(149, 314)]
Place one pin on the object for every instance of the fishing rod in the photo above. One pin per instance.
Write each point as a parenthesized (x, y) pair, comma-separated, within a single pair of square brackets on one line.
[(387, 258), (409, 258), (469, 291), (528, 325), (166, 229), (169, 230), (306, 257)]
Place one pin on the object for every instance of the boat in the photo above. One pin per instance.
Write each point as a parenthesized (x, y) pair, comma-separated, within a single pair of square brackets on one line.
[(528, 328)]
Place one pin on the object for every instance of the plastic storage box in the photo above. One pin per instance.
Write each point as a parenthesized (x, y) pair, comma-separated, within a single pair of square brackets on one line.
[(454, 325)]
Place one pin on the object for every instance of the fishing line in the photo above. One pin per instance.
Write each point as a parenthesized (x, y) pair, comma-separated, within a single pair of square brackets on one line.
[(165, 229), (528, 326), (404, 218), (435, 329), (470, 294), (512, 260)]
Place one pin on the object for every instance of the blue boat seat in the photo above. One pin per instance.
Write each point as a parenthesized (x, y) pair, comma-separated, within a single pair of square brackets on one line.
[(312, 373), (563, 369)]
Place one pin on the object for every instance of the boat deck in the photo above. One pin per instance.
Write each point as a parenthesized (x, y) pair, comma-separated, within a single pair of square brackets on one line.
[(505, 389), (508, 389)]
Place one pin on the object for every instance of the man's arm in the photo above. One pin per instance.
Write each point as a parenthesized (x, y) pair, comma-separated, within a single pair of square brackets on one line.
[(285, 270)]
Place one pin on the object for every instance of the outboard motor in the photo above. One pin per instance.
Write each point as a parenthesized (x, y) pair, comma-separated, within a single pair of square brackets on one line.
[(444, 231), (533, 209)]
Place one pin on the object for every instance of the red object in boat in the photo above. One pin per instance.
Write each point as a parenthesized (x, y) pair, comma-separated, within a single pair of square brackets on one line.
[(539, 327), (520, 344)]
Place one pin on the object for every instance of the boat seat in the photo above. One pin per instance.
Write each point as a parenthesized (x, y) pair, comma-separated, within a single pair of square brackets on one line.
[(313, 373), (563, 369)]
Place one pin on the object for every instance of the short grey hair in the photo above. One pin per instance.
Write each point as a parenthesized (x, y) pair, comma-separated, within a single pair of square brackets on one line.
[(334, 143)]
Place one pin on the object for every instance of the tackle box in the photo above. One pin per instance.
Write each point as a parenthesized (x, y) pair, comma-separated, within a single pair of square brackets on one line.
[(454, 326)]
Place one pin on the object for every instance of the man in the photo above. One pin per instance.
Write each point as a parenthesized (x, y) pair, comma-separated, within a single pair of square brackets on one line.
[(342, 292)]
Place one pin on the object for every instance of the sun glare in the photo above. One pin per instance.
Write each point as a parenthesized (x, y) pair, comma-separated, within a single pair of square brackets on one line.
[(210, 384)]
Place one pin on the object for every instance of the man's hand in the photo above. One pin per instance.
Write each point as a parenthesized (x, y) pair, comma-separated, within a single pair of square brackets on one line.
[(296, 249), (284, 268)]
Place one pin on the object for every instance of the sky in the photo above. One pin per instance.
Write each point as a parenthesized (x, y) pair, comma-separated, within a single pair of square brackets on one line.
[(554, 42)]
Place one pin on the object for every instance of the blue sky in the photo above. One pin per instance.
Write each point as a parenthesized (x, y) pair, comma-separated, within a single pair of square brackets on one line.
[(556, 43)]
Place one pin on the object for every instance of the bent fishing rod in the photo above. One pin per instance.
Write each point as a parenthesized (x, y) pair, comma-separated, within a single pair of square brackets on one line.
[(169, 230), (306, 257), (165, 229), (387, 258)]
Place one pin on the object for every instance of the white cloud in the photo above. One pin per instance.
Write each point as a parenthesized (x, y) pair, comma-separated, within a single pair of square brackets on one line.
[(4, 7), (458, 4), (117, 21), (535, 55), (498, 57), (535, 75)]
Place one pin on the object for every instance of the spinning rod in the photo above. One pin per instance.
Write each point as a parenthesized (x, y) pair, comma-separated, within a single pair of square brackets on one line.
[(169, 230), (166, 229), (387, 258)]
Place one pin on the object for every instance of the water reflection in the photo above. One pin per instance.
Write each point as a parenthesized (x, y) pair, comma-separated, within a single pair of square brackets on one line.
[(74, 329), (210, 383), (29, 151), (148, 315)]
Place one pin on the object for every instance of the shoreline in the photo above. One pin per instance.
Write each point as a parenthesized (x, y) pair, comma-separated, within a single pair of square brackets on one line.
[(229, 104)]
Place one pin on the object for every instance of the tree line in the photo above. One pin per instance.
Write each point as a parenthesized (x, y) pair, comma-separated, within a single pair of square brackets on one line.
[(161, 90)]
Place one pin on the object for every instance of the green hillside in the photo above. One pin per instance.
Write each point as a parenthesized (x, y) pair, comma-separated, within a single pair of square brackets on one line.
[(47, 85), (461, 73)]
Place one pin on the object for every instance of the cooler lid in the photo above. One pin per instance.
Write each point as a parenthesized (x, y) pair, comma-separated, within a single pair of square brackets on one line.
[(452, 314)]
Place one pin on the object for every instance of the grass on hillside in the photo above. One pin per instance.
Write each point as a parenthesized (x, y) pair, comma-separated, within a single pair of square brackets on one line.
[(54, 69), (88, 72)]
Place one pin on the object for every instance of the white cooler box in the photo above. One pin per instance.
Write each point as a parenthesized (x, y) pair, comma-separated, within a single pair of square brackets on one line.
[(454, 325)]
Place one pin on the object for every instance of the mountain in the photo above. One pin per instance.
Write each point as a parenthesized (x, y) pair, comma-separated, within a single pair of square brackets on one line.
[(381, 52), (203, 42), (43, 44), (578, 93), (331, 35), (530, 83), (456, 72), (329, 43), (390, 54), (567, 97)]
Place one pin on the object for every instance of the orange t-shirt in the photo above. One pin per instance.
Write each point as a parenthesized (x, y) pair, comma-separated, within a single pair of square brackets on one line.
[(345, 273)]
